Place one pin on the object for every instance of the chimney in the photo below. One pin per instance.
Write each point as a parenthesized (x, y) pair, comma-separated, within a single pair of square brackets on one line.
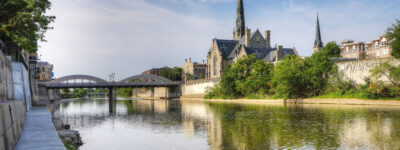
[(190, 60), (247, 37), (185, 60), (204, 62), (279, 53), (268, 38)]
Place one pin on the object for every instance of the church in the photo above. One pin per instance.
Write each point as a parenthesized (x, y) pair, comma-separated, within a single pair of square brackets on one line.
[(244, 42)]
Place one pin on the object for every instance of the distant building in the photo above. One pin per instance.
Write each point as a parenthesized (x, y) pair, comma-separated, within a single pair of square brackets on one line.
[(44, 71), (153, 71), (244, 42), (193, 71), (377, 48)]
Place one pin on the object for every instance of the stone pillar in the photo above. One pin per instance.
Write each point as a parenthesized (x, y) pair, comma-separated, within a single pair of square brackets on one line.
[(268, 38), (112, 100), (247, 37)]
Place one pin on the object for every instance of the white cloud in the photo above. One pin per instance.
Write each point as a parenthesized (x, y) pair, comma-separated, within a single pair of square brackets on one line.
[(97, 39)]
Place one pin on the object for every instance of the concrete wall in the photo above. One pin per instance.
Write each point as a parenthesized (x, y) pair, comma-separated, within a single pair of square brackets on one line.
[(156, 92), (6, 83), (12, 117), (21, 83), (357, 70), (197, 88)]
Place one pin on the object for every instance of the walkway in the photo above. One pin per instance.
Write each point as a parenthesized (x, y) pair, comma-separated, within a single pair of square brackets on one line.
[(39, 132)]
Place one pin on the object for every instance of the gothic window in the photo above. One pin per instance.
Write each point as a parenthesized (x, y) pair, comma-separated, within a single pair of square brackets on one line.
[(215, 65)]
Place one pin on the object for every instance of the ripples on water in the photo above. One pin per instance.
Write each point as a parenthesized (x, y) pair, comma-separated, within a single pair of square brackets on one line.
[(170, 124)]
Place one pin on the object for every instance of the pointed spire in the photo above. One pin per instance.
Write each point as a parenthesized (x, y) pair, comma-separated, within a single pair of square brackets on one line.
[(240, 24), (318, 44)]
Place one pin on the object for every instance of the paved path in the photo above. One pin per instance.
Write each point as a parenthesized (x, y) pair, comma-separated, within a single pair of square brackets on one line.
[(39, 132)]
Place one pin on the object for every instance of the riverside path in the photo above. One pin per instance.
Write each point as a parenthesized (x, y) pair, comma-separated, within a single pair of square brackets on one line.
[(39, 132)]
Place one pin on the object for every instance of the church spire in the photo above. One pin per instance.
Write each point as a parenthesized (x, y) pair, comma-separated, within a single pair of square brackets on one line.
[(240, 25), (318, 45)]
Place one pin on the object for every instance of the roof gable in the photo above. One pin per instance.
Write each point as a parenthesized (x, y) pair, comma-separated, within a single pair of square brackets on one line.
[(226, 47)]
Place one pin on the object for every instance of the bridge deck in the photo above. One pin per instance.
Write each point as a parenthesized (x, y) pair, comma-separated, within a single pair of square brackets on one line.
[(109, 85)]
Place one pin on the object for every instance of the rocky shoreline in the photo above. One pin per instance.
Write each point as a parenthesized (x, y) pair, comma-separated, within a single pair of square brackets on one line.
[(71, 138)]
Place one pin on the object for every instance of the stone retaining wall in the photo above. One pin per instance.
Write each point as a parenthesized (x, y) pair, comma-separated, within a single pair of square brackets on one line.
[(6, 82), (197, 88), (12, 117), (357, 70)]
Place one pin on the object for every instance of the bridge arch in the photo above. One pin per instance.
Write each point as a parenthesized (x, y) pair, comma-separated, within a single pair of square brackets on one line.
[(146, 78), (91, 79)]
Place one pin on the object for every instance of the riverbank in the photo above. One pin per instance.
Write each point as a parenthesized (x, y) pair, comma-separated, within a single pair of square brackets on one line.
[(304, 101)]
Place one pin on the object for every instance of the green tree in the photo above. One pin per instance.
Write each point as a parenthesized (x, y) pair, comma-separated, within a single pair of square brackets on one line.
[(289, 80), (331, 49), (124, 92), (174, 74), (393, 33), (386, 69), (252, 76), (319, 67), (24, 22)]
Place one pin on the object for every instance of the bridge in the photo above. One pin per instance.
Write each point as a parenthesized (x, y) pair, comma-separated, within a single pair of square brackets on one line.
[(87, 81)]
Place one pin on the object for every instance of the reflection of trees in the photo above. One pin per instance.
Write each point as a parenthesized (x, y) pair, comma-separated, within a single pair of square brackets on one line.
[(274, 127), (232, 126)]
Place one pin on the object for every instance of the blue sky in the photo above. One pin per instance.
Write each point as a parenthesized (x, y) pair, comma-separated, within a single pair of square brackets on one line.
[(98, 37)]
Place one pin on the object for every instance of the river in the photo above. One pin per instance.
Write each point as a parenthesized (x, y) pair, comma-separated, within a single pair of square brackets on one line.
[(197, 125)]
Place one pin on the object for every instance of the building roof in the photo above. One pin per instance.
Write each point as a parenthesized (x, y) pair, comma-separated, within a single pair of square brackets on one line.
[(226, 47), (268, 54)]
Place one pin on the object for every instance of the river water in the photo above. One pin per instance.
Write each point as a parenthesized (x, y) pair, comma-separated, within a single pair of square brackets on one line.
[(197, 125)]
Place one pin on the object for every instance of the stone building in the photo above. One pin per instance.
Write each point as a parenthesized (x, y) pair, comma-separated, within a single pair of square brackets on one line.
[(244, 42), (193, 71), (377, 48), (44, 71)]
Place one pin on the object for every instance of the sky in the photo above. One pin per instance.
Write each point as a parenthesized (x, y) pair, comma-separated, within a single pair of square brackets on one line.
[(127, 37)]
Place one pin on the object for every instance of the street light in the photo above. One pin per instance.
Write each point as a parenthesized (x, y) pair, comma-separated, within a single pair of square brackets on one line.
[(112, 75)]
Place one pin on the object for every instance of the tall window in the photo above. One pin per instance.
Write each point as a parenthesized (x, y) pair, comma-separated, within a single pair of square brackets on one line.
[(215, 65)]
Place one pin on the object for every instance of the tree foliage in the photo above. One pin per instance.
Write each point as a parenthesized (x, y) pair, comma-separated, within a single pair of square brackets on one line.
[(174, 74), (331, 49), (289, 80), (319, 67), (246, 77), (393, 34), (24, 22), (124, 92)]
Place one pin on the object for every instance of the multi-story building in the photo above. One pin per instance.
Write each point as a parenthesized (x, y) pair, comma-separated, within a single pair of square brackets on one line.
[(377, 48), (193, 71), (44, 71)]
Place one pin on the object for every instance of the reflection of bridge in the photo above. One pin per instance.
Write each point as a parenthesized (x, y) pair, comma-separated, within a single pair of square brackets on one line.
[(87, 81)]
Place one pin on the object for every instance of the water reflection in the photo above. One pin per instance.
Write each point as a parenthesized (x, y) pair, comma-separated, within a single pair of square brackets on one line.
[(169, 124)]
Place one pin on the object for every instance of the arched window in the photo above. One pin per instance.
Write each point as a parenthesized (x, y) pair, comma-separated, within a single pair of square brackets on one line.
[(215, 65)]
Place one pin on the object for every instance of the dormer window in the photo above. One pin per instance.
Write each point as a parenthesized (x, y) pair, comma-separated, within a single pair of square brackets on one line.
[(376, 44)]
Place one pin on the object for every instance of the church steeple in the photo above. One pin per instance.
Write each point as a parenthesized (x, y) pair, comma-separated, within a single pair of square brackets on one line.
[(318, 45), (240, 25)]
